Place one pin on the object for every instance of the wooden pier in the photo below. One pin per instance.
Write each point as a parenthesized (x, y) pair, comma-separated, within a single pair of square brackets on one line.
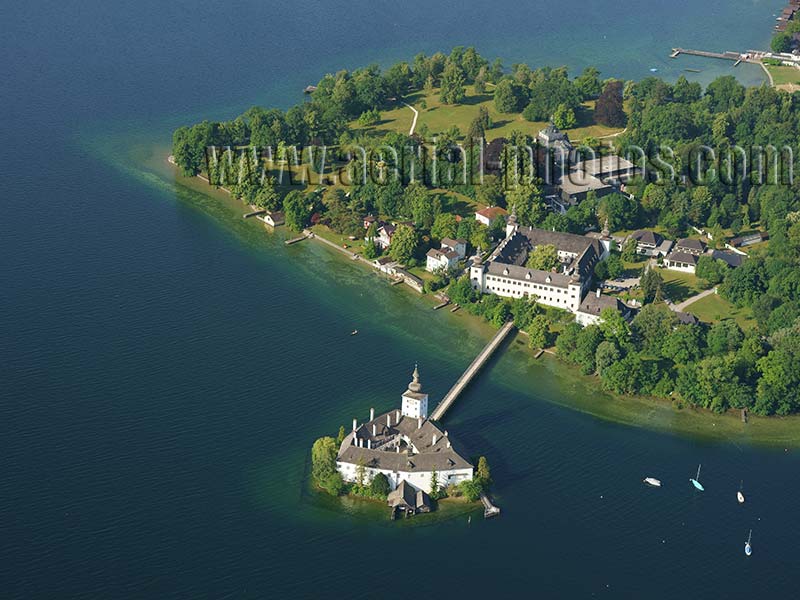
[(471, 371), (751, 56), (441, 304), (295, 240), (255, 213), (489, 509)]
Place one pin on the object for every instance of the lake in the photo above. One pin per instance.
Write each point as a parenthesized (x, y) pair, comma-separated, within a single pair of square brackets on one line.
[(166, 365)]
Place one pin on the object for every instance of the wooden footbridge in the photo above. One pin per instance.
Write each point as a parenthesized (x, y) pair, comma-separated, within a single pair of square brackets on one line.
[(471, 371)]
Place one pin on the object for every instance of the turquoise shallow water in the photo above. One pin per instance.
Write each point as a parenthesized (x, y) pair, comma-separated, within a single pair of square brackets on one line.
[(165, 366)]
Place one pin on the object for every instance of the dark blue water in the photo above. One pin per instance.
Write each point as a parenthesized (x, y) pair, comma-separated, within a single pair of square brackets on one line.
[(165, 367)]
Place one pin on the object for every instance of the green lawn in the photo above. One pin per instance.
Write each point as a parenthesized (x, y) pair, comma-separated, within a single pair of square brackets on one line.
[(679, 286), (715, 308), (784, 75), (440, 117)]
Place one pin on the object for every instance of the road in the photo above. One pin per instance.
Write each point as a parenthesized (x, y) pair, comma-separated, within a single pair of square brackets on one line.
[(414, 122)]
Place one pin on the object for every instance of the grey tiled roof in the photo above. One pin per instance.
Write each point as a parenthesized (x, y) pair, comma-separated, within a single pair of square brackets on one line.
[(383, 454)]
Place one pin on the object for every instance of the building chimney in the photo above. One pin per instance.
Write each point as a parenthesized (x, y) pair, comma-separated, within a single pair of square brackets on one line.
[(397, 416), (374, 430), (397, 448), (434, 440), (369, 444), (419, 422), (448, 443), (355, 424), (389, 420), (598, 292), (371, 414)]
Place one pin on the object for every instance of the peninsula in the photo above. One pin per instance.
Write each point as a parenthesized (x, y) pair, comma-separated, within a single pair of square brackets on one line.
[(620, 225)]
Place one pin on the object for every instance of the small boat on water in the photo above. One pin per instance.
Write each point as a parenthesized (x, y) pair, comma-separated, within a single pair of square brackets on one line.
[(740, 493), (652, 481), (748, 549), (354, 332), (696, 481)]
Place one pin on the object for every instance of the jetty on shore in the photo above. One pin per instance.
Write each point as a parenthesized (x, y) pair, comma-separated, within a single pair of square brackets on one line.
[(471, 371), (751, 56), (489, 509)]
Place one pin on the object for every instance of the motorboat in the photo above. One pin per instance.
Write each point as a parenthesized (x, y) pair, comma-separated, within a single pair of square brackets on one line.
[(652, 481), (748, 549)]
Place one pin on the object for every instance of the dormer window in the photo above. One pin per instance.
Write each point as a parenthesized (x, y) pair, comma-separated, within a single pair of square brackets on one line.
[(528, 275), (505, 271), (548, 279)]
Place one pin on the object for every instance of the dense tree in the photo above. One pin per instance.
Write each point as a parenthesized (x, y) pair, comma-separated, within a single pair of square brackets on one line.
[(564, 117), (452, 89), (588, 83), (609, 109), (404, 244), (723, 337), (297, 210), (379, 486), (509, 96), (781, 42), (444, 226), (710, 269), (652, 285), (539, 332)]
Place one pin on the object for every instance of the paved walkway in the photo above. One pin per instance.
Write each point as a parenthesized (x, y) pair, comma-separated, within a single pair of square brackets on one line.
[(682, 306), (414, 122)]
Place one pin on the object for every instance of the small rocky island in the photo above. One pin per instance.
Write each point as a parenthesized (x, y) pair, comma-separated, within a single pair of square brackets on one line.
[(400, 456)]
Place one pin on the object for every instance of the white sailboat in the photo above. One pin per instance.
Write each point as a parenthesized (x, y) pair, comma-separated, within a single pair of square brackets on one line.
[(740, 493), (748, 549), (652, 481), (696, 481)]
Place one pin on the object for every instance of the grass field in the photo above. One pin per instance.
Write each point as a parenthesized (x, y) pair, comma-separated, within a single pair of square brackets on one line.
[(784, 76), (679, 286), (440, 117), (714, 308)]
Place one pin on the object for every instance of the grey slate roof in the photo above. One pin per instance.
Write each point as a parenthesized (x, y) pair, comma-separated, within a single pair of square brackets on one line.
[(689, 244), (592, 305), (526, 274), (645, 236), (683, 257), (733, 259), (383, 455)]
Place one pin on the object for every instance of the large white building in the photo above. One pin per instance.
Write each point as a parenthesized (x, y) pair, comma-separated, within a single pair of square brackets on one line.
[(504, 273), (403, 445)]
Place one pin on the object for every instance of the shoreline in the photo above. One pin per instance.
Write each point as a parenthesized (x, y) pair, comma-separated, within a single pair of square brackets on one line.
[(690, 422)]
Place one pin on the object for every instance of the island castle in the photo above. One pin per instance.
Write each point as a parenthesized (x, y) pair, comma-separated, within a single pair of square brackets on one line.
[(406, 447)]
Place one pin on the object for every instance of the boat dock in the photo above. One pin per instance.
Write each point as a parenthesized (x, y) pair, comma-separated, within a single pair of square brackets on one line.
[(751, 56), (489, 509), (255, 213), (471, 371), (441, 304), (295, 240)]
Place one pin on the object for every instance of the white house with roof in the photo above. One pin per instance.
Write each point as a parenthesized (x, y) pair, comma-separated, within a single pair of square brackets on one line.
[(488, 215), (403, 445), (440, 260), (681, 261), (593, 306)]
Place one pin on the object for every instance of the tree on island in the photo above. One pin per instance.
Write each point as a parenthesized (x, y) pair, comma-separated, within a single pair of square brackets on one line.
[(564, 117), (379, 486), (482, 473), (323, 466), (509, 96), (588, 83), (452, 89), (609, 109), (544, 258)]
